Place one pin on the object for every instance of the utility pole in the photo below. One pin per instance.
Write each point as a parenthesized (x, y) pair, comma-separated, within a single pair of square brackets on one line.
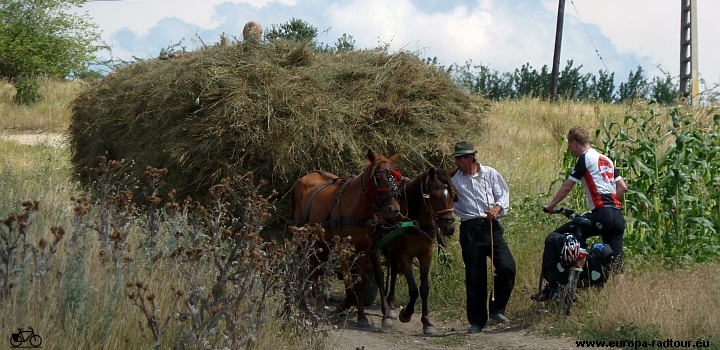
[(689, 52), (556, 55)]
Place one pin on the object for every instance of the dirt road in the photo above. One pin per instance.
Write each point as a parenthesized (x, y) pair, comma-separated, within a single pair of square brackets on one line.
[(54, 140), (406, 336)]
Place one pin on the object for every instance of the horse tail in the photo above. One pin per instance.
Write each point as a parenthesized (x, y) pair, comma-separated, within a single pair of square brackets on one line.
[(290, 219)]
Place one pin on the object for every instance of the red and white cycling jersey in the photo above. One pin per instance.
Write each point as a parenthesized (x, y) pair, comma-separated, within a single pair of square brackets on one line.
[(597, 174)]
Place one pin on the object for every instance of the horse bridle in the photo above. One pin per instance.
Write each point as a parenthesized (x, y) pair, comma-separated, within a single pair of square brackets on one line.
[(381, 194), (437, 215)]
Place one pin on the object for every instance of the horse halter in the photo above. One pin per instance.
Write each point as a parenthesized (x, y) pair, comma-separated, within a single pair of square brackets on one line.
[(378, 195), (437, 215)]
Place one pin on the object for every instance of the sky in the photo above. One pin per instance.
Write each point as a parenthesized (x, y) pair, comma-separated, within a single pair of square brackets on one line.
[(613, 35)]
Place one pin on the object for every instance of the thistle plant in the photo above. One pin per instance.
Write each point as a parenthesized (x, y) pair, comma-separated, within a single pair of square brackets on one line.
[(308, 266), (139, 294), (14, 246)]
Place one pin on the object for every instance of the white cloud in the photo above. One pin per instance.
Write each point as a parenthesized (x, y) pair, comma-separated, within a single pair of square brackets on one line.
[(142, 15), (500, 34), (651, 28)]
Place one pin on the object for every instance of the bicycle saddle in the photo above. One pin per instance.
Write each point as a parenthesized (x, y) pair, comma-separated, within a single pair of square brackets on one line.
[(582, 221)]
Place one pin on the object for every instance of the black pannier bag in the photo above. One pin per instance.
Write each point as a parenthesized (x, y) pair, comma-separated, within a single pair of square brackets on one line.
[(552, 268), (593, 274)]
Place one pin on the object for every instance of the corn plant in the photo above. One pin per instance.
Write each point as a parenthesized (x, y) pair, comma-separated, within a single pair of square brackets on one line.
[(672, 168)]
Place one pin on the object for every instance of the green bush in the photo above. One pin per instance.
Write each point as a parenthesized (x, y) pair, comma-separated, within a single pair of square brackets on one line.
[(28, 90)]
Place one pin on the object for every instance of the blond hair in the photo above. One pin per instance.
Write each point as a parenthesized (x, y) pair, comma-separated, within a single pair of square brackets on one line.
[(252, 31), (579, 135)]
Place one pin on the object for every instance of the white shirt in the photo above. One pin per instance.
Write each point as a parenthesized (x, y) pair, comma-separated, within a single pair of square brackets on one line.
[(598, 175), (480, 192)]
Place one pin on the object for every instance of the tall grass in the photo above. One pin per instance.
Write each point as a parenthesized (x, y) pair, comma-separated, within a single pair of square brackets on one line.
[(51, 114), (524, 139), (84, 299)]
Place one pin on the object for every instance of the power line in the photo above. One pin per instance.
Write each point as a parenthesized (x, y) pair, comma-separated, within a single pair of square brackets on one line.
[(588, 33)]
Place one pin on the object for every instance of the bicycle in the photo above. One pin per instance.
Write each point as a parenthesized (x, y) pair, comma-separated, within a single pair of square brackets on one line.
[(16, 339), (564, 296)]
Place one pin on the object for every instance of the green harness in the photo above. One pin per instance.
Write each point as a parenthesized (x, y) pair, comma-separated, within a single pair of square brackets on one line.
[(401, 228)]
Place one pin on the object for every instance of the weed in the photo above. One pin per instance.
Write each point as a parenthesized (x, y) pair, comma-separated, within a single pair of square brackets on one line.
[(14, 246)]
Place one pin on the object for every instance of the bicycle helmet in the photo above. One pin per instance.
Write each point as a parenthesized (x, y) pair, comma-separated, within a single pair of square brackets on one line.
[(569, 251)]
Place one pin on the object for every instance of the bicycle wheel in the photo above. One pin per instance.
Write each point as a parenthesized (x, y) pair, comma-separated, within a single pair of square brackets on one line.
[(370, 292), (567, 295), (553, 302), (35, 340), (14, 343)]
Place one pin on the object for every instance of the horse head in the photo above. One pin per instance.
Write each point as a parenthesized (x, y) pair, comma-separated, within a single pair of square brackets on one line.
[(381, 184), (439, 196)]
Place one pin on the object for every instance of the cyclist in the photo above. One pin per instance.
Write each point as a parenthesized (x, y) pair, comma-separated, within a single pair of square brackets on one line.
[(603, 187)]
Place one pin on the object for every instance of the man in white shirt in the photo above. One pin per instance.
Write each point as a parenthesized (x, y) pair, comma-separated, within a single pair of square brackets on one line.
[(483, 198)]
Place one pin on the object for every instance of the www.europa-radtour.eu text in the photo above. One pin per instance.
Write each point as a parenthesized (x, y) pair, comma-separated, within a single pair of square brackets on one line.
[(636, 344)]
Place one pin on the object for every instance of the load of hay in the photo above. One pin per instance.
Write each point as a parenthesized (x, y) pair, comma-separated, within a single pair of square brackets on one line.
[(279, 110)]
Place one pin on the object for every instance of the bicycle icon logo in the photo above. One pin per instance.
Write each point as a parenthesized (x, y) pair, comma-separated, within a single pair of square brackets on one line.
[(22, 336)]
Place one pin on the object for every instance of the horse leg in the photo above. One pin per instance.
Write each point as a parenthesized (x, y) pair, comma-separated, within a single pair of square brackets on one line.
[(360, 288), (428, 328), (349, 287), (393, 271), (379, 277), (406, 267)]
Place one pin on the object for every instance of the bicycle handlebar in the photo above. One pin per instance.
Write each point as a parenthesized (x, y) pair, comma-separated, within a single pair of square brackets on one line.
[(569, 213)]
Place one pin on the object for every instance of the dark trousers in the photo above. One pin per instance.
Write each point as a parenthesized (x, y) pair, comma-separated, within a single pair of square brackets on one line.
[(475, 244), (608, 223)]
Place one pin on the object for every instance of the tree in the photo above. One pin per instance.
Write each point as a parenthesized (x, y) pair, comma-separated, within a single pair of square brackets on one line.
[(572, 84), (664, 91), (294, 29), (635, 87), (604, 86), (345, 43), (40, 37)]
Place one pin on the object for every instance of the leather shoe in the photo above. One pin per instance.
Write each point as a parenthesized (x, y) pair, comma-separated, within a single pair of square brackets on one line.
[(474, 329), (500, 318)]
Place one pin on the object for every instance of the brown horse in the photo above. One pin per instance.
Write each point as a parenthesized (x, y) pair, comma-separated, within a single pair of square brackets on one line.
[(349, 207), (429, 201)]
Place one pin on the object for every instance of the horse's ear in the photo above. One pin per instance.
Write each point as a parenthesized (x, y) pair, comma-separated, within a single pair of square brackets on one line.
[(371, 156), (431, 173), (394, 158)]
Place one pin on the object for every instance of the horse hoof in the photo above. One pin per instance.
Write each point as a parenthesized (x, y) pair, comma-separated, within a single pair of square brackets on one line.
[(387, 323), (404, 319), (392, 314), (429, 330), (364, 323)]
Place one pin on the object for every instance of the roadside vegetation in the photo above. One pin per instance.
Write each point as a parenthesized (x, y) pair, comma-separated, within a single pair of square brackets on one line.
[(85, 266)]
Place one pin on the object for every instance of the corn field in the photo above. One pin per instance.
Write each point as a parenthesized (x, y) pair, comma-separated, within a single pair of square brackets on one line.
[(671, 164)]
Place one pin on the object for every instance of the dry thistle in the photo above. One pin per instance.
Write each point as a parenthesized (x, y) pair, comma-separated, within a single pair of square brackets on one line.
[(58, 233)]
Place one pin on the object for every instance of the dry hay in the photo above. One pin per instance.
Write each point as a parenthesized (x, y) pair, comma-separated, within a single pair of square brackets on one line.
[(279, 110)]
